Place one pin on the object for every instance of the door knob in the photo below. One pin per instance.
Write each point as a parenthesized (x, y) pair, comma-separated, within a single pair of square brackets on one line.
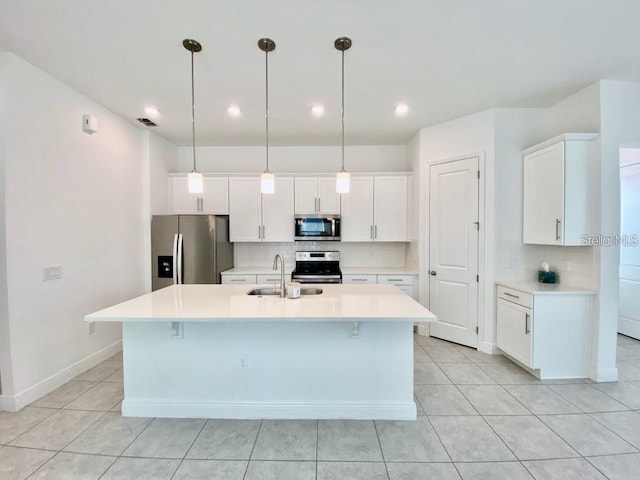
[(433, 272)]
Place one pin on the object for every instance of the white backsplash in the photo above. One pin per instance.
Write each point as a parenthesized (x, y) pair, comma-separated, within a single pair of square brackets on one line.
[(351, 254)]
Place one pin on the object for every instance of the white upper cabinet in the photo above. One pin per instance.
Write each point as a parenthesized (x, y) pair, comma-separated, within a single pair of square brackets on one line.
[(558, 188), (390, 209), (214, 200), (357, 211), (254, 217), (316, 195), (277, 212), (375, 209)]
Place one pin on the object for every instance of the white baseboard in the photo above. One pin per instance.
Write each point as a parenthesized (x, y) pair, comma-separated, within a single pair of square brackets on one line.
[(14, 403), (603, 374), (629, 327), (305, 411), (490, 348)]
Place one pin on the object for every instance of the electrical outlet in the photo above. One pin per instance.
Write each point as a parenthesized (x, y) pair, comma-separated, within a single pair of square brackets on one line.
[(243, 361), (92, 328), (52, 272)]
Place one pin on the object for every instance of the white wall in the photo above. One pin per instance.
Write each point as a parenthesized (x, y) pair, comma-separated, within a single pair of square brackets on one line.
[(74, 200), (163, 159), (620, 113), (6, 376), (301, 159)]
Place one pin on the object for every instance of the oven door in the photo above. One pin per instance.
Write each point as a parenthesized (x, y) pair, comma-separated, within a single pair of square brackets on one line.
[(317, 227)]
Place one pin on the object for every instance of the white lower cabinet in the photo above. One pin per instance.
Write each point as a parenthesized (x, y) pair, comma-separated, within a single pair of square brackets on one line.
[(406, 283), (253, 279), (359, 279), (238, 279), (546, 329)]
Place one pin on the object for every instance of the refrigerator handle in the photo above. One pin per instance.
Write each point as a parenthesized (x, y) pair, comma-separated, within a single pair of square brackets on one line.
[(175, 259), (180, 277)]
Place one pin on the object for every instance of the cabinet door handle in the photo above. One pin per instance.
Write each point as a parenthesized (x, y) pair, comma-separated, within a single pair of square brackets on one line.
[(375, 232), (371, 232), (259, 231), (263, 234), (511, 295), (526, 323), (558, 229), (433, 273), (318, 204)]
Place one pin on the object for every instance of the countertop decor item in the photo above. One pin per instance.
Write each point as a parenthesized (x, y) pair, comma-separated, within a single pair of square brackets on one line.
[(195, 181), (267, 180), (342, 178)]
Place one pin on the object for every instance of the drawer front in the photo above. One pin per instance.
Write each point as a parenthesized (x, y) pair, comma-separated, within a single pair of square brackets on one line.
[(396, 279), (408, 289), (515, 296), (275, 278), (359, 279), (238, 279)]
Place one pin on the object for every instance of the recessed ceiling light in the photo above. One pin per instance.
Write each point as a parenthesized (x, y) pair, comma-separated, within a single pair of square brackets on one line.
[(401, 109), (317, 110), (234, 110), (151, 111)]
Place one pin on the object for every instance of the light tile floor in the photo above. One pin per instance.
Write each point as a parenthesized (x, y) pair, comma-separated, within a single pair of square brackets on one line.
[(480, 417)]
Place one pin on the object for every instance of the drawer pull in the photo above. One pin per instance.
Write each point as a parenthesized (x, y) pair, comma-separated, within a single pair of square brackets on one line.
[(238, 280), (359, 279), (511, 295), (394, 280)]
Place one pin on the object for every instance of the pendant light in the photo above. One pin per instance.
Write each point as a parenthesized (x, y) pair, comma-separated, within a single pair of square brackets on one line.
[(194, 179), (267, 180), (343, 177)]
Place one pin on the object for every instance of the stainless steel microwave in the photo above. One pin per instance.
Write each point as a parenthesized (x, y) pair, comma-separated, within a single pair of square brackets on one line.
[(317, 227)]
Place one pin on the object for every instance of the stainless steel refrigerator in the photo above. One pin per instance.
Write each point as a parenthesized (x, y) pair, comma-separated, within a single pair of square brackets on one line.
[(189, 249)]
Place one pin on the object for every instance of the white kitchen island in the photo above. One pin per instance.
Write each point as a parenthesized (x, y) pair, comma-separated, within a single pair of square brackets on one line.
[(214, 351)]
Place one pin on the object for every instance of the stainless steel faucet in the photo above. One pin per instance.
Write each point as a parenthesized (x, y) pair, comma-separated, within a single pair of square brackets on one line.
[(275, 267)]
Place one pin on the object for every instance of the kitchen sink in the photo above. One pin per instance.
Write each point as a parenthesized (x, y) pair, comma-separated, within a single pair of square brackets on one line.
[(276, 291)]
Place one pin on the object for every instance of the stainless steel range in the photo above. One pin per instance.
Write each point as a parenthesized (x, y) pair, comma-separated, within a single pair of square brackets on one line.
[(317, 267)]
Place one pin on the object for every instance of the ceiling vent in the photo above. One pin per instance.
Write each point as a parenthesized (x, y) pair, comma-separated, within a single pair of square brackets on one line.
[(146, 122)]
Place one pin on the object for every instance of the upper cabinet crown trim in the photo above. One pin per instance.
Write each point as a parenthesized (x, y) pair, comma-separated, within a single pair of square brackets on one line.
[(558, 139)]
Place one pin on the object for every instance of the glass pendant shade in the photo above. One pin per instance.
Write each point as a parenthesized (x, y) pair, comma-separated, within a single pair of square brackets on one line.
[(342, 182), (267, 183), (196, 185)]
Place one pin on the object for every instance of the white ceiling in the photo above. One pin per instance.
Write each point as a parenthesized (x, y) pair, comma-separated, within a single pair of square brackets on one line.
[(445, 58)]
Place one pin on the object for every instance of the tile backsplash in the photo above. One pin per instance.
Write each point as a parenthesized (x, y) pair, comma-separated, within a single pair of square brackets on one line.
[(381, 254)]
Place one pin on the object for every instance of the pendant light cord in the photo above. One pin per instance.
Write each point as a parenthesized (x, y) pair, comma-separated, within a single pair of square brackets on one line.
[(266, 104), (193, 116), (342, 111)]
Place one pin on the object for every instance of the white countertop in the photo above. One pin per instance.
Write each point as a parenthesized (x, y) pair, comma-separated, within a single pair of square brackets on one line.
[(267, 270), (538, 288), (226, 303)]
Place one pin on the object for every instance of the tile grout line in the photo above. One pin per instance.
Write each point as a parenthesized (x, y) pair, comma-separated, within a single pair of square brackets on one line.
[(384, 461), (188, 449), (255, 441)]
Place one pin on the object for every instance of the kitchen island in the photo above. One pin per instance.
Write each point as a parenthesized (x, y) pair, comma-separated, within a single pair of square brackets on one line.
[(214, 351)]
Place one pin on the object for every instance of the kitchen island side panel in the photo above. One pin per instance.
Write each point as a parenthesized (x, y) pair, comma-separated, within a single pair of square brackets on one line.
[(292, 370)]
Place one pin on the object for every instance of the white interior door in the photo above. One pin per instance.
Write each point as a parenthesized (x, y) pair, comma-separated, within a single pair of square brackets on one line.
[(629, 306), (453, 250)]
